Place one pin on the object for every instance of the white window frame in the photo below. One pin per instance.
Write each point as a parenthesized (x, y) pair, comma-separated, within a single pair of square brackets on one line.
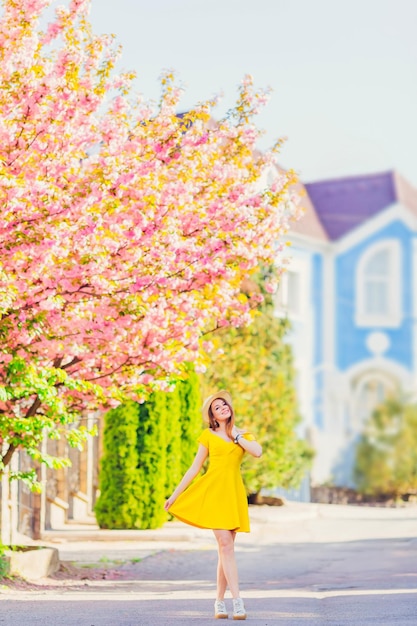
[(393, 318), (300, 268), (283, 293)]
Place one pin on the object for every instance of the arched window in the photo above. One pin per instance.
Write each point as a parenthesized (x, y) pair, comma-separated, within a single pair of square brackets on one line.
[(378, 286), (369, 392)]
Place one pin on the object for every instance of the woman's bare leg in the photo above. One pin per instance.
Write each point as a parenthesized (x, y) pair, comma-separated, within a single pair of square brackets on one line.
[(226, 568), (221, 578)]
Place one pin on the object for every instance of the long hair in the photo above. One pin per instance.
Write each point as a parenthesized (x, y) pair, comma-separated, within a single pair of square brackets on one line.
[(214, 424)]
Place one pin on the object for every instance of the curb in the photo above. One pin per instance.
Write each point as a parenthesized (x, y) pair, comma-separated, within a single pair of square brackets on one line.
[(32, 562), (181, 533), (265, 514)]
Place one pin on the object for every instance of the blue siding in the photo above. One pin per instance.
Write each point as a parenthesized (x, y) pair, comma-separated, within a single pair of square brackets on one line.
[(318, 399), (350, 340), (317, 299)]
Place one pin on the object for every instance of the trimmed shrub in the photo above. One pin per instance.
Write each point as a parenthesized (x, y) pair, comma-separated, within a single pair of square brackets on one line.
[(190, 421), (173, 441), (147, 449), (386, 454), (119, 504), (151, 443)]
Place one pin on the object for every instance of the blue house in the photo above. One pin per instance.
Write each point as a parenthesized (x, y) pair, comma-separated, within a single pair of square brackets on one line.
[(349, 294)]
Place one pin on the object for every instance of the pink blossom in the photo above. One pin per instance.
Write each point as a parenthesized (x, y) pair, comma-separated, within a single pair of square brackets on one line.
[(271, 287), (125, 233)]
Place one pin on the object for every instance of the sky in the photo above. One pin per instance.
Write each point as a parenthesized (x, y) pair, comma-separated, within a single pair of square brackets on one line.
[(343, 73)]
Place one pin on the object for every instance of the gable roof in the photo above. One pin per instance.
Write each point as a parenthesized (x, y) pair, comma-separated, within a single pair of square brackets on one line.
[(342, 204), (309, 223)]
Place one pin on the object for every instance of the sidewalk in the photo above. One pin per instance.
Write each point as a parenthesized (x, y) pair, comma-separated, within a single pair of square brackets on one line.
[(177, 531), (87, 543)]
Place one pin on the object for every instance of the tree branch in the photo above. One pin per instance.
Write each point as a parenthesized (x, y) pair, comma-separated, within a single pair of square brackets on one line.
[(8, 455), (33, 408)]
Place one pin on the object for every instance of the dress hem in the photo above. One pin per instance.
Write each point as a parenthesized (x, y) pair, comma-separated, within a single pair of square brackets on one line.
[(181, 519)]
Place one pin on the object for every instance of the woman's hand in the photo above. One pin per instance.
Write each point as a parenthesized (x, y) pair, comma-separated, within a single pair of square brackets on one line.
[(169, 503), (237, 431), (190, 474), (252, 446)]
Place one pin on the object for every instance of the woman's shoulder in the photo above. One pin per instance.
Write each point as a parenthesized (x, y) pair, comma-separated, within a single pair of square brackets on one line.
[(204, 437)]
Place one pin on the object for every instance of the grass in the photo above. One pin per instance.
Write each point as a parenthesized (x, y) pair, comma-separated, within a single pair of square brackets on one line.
[(105, 559), (4, 566)]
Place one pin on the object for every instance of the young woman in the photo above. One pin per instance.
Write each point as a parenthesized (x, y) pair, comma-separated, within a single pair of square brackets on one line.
[(217, 500)]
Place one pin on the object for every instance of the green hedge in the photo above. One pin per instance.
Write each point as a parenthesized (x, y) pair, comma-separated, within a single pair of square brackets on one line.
[(147, 449), (191, 421), (117, 506), (151, 444)]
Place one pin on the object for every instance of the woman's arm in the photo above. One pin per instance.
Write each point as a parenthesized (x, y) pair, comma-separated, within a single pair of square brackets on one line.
[(253, 447), (189, 475)]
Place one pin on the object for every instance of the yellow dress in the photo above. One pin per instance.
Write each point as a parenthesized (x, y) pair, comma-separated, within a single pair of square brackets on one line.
[(217, 499)]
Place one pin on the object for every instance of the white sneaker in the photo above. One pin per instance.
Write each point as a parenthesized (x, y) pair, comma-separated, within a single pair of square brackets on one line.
[(238, 609), (220, 610)]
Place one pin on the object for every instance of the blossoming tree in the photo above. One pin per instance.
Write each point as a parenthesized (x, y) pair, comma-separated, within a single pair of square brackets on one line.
[(125, 230)]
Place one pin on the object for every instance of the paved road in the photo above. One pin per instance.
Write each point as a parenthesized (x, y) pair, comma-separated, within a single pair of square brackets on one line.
[(339, 566)]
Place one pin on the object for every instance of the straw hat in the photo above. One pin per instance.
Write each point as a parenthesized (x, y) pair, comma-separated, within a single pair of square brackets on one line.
[(224, 395)]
